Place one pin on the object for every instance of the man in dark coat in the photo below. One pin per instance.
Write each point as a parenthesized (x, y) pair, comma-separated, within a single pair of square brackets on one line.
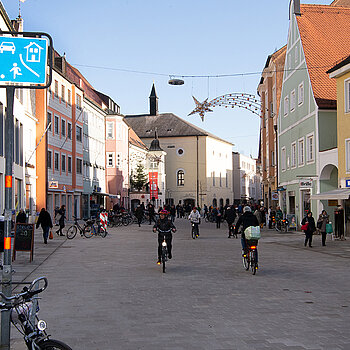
[(139, 214), (165, 228), (151, 213), (46, 223), (230, 216), (21, 217)]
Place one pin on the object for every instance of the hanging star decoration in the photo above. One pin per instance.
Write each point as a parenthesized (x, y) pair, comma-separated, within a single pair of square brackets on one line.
[(241, 100), (201, 107)]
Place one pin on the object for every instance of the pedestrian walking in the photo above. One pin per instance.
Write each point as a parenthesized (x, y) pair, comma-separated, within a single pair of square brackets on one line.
[(151, 213), (217, 217), (339, 222), (139, 214), (322, 221), (46, 223), (172, 213), (60, 216), (21, 217), (308, 226)]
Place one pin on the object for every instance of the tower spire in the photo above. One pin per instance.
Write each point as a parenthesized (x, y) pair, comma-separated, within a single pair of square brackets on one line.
[(153, 102)]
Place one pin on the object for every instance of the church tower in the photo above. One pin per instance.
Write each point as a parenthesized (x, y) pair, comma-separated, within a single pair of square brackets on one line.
[(153, 102)]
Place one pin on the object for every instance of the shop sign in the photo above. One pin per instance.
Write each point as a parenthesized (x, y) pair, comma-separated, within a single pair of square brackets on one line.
[(274, 196), (53, 184), (347, 183), (305, 183)]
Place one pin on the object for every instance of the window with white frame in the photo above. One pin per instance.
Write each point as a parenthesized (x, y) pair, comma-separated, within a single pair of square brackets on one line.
[(180, 178), (69, 164), (286, 106), (69, 131), (110, 159), (293, 155), (57, 125), (310, 148), (110, 130), (63, 92), (78, 101), (79, 135), (49, 159), (292, 100), (118, 160), (213, 175), (347, 96), (283, 158), (63, 127), (57, 161), (347, 155), (79, 166), (63, 163), (301, 152), (49, 120), (301, 94), (296, 54)]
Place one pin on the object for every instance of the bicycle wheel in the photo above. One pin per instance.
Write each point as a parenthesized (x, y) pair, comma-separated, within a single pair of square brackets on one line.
[(245, 260), (71, 232), (193, 233), (125, 221), (52, 344), (88, 231), (253, 262), (103, 233)]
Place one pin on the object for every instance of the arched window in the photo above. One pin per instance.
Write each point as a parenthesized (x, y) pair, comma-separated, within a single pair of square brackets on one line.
[(181, 178), (215, 203)]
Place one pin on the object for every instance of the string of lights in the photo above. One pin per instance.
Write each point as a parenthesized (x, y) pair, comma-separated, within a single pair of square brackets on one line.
[(125, 70)]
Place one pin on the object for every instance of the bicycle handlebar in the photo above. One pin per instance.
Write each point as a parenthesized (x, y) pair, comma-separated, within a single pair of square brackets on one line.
[(27, 293)]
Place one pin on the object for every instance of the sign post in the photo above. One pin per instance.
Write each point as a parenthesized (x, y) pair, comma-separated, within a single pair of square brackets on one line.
[(23, 64)]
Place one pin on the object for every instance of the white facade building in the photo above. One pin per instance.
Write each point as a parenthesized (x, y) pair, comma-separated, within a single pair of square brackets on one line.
[(246, 178)]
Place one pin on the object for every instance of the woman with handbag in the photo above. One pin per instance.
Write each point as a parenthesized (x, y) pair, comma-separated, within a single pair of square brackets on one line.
[(308, 226), (322, 222)]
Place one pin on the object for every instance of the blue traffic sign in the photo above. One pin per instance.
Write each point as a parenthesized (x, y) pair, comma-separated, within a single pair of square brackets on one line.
[(23, 60), (347, 183)]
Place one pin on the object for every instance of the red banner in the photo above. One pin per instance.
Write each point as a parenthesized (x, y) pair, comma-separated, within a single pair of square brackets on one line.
[(153, 184)]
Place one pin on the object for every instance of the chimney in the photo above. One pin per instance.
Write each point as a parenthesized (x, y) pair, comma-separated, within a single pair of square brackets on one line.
[(297, 7)]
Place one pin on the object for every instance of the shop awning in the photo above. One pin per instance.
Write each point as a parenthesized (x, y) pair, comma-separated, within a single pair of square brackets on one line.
[(339, 193)]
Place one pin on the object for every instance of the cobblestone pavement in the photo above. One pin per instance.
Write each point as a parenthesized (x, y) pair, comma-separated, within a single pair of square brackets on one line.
[(110, 294)]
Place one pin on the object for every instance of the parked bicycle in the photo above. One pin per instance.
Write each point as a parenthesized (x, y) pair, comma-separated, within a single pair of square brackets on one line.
[(250, 256), (23, 308), (92, 229), (282, 225), (72, 230)]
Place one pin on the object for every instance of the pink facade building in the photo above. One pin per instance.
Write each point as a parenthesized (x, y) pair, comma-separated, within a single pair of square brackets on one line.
[(117, 160)]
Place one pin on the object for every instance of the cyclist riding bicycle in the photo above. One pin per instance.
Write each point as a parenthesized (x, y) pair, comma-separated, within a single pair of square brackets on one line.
[(165, 228), (195, 219), (246, 220)]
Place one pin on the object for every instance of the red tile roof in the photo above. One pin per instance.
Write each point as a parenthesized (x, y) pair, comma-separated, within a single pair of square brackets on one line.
[(325, 34), (135, 140)]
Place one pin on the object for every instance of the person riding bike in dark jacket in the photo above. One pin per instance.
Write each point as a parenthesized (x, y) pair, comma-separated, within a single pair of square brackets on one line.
[(230, 216), (165, 228), (246, 220)]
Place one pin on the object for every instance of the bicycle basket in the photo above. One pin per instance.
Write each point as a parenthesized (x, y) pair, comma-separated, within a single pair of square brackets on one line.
[(21, 310), (252, 233)]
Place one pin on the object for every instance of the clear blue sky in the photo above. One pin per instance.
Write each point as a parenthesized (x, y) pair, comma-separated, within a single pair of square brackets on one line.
[(184, 37)]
